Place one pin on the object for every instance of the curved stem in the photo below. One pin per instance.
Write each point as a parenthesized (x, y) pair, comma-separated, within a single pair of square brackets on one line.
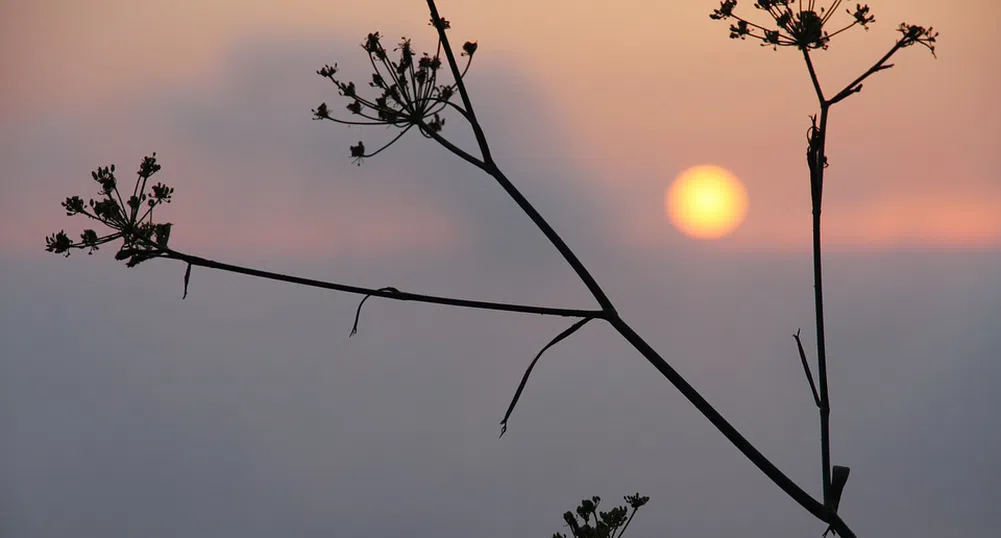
[(554, 238), (742, 444), (481, 139), (463, 154), (385, 292), (492, 169)]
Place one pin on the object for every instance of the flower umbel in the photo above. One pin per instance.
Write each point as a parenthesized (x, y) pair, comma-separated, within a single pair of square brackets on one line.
[(595, 524), (914, 34), (142, 237), (409, 93), (797, 23)]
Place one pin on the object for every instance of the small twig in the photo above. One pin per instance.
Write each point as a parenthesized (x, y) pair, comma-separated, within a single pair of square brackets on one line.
[(628, 521), (806, 368), (856, 84), (517, 394), (187, 277), (354, 328), (813, 75)]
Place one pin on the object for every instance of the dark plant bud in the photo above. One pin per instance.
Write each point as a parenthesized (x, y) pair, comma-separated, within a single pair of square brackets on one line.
[(73, 205), (161, 233), (637, 500), (371, 44), (58, 243), (739, 30), (348, 90), (724, 11), (436, 124), (358, 153), (321, 112), (862, 15), (445, 25), (149, 166), (327, 71)]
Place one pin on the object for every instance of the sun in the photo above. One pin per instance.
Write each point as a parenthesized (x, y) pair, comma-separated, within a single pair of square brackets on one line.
[(706, 202)]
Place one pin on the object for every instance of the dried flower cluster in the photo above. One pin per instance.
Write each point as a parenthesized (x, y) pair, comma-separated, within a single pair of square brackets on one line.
[(595, 524), (803, 24), (408, 91), (143, 238)]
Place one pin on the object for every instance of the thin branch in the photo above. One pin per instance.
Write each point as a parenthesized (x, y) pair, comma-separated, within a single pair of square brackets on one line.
[(439, 25), (806, 369), (347, 122), (846, 28), (453, 148), (624, 527), (492, 169), (856, 85), (528, 372), (382, 292), (354, 327), (187, 278), (749, 451), (813, 75), (390, 143), (438, 100)]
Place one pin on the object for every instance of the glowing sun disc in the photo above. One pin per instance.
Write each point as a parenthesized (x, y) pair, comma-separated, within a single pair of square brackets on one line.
[(706, 202)]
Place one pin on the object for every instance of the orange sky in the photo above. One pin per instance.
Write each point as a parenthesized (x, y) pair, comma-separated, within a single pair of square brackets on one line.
[(640, 91)]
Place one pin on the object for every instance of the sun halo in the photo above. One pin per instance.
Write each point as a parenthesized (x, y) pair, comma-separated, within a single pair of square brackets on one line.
[(706, 202)]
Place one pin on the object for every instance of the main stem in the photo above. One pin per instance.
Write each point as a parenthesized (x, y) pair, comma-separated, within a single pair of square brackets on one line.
[(819, 510), (817, 163), (825, 405), (816, 159)]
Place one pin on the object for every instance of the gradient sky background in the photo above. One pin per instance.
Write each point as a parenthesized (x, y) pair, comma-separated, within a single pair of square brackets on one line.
[(245, 411)]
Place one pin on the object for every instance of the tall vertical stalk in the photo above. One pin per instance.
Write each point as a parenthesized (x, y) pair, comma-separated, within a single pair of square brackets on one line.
[(817, 161)]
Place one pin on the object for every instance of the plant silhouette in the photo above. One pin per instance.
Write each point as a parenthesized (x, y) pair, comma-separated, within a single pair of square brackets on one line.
[(804, 26), (588, 522), (408, 92)]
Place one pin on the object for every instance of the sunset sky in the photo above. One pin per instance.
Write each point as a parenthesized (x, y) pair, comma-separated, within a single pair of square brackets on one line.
[(245, 411)]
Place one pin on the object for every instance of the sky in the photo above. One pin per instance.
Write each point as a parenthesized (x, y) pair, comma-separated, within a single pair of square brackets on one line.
[(245, 410)]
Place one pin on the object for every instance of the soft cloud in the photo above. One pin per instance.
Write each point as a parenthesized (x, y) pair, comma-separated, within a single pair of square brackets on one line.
[(647, 99)]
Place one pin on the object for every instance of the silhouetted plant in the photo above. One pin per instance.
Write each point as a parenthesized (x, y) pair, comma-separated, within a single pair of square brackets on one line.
[(588, 522), (142, 238), (803, 24), (407, 93)]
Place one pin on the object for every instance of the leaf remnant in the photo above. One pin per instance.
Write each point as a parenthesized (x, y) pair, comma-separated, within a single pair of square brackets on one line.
[(514, 401)]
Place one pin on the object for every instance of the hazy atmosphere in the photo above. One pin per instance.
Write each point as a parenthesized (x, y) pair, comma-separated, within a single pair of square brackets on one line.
[(245, 410)]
